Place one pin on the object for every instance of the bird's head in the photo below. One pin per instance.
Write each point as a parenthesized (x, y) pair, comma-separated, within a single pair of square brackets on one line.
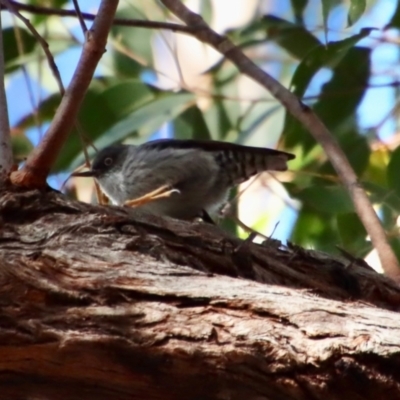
[(106, 162)]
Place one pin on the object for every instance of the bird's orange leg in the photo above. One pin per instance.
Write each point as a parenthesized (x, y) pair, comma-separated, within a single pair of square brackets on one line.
[(160, 193)]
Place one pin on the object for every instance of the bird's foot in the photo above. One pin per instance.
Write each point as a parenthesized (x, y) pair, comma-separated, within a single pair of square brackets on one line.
[(160, 193)]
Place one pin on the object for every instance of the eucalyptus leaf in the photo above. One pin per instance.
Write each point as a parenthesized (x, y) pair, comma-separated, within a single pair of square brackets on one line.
[(294, 38), (298, 7), (353, 234), (356, 10), (323, 56), (339, 97), (146, 119), (191, 125), (383, 195), (326, 199), (318, 231), (12, 55), (393, 172)]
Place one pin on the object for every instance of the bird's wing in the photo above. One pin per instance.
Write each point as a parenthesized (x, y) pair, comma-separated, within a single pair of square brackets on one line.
[(239, 162)]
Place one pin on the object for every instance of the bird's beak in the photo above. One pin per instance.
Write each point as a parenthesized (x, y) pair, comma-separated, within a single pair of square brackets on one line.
[(84, 174)]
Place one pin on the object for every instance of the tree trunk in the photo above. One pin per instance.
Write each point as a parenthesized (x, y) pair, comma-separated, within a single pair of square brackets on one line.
[(97, 303)]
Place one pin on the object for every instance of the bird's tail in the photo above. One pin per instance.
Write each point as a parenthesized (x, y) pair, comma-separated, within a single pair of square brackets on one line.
[(242, 162)]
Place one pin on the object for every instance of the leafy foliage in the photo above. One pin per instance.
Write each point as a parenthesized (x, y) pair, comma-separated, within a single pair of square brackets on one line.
[(131, 99)]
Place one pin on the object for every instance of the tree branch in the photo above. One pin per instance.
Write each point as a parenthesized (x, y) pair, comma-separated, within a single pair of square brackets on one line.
[(97, 305), (40, 161), (80, 16), (310, 120)]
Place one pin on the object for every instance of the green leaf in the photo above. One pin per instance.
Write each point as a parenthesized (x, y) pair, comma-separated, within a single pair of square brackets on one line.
[(46, 111), (136, 40), (106, 103), (326, 199), (222, 114), (94, 117), (392, 172), (357, 150), (55, 4), (383, 195), (218, 120), (323, 56), (125, 66), (298, 9), (353, 234), (21, 147), (244, 134), (356, 10), (388, 217), (191, 125), (339, 97), (395, 245), (11, 53), (316, 231), (128, 95), (93, 124), (146, 119), (294, 38), (376, 171), (141, 122)]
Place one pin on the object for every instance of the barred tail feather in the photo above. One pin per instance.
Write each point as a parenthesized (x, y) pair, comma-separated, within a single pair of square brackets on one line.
[(243, 164)]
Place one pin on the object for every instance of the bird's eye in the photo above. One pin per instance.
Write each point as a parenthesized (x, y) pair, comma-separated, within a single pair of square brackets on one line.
[(108, 161)]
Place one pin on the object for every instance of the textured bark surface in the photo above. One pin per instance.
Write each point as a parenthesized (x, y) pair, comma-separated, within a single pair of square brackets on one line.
[(99, 304)]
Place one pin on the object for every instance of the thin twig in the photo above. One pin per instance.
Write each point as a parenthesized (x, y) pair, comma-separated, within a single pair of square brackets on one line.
[(21, 52), (138, 23), (50, 59), (80, 16), (39, 120), (6, 157), (309, 119)]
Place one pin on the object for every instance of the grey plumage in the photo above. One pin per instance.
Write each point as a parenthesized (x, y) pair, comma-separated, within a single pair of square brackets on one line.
[(201, 171)]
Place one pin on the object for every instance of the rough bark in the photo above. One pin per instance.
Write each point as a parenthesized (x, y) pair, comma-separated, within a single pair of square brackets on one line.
[(96, 303)]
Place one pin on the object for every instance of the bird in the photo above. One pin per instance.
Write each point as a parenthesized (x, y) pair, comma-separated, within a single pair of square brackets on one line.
[(182, 179)]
